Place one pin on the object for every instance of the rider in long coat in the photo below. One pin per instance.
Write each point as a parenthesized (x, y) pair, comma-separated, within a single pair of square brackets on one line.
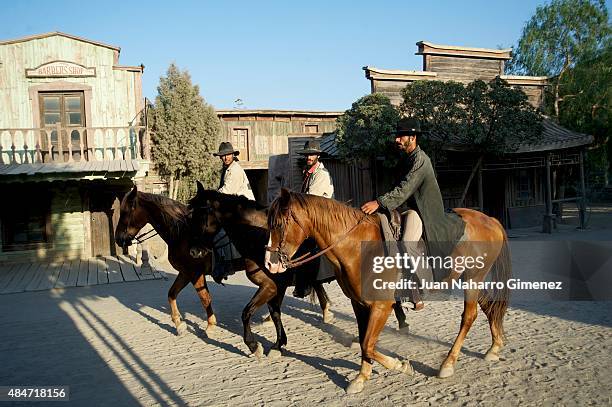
[(419, 188)]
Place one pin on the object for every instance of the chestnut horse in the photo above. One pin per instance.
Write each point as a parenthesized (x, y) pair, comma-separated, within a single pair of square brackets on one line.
[(170, 220), (245, 223), (293, 217)]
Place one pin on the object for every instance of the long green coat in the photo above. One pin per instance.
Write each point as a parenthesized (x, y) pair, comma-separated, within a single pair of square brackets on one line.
[(442, 230)]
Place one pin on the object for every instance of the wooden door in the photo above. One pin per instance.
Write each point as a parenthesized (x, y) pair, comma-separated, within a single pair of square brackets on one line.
[(104, 210), (240, 141)]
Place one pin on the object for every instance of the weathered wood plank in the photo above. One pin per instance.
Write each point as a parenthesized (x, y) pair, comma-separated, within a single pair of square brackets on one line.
[(50, 277), (64, 275), (22, 275), (102, 271), (6, 274), (39, 274), (114, 270), (92, 275), (83, 273), (127, 268), (75, 266)]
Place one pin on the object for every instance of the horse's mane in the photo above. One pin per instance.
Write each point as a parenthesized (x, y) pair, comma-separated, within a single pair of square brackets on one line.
[(328, 215), (174, 214)]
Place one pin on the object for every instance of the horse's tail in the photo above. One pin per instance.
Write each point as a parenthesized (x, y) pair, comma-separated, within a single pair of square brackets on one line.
[(495, 303)]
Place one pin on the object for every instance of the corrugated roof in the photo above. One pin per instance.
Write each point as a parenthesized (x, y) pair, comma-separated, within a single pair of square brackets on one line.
[(72, 170)]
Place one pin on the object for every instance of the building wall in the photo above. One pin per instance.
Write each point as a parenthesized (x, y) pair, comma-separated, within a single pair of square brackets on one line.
[(116, 94), (268, 135), (68, 229)]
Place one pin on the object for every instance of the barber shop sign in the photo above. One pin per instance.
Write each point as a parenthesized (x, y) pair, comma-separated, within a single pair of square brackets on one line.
[(60, 69)]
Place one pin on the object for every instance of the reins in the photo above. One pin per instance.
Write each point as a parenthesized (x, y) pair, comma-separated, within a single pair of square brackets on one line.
[(303, 259)]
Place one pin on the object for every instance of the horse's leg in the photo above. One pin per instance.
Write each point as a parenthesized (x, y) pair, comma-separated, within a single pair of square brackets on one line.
[(470, 311), (199, 283), (362, 315), (179, 283), (495, 324), (378, 315), (400, 315), (275, 314), (266, 291), (328, 316)]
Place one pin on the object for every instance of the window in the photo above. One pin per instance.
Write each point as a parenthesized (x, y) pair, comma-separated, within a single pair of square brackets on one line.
[(311, 128), (240, 141), (25, 226), (67, 110)]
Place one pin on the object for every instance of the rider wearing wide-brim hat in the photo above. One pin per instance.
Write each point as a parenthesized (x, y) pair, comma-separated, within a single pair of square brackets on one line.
[(234, 180), (419, 189), (316, 179)]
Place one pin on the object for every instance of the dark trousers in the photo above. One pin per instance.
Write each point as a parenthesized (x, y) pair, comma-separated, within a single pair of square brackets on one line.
[(306, 274)]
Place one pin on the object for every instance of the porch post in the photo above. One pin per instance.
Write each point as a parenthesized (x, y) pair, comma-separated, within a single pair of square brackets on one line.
[(582, 201), (548, 217)]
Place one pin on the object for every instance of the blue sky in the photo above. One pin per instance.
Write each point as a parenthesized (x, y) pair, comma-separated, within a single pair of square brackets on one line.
[(273, 54)]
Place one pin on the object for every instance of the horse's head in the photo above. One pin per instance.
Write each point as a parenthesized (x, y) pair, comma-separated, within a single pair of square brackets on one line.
[(287, 232), (204, 220), (132, 218)]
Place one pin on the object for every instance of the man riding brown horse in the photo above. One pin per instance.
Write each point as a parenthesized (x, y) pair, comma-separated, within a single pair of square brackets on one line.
[(420, 190)]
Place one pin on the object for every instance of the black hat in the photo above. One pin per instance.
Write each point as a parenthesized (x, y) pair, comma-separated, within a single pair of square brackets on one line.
[(311, 147), (226, 148), (407, 126)]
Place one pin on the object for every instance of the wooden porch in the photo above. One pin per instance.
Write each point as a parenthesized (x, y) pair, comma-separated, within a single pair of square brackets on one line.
[(21, 277), (58, 144)]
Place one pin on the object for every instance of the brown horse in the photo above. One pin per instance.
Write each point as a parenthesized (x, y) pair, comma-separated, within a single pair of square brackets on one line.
[(245, 222), (294, 217), (170, 220)]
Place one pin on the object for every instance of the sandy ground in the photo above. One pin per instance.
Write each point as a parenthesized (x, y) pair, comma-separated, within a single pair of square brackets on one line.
[(116, 344)]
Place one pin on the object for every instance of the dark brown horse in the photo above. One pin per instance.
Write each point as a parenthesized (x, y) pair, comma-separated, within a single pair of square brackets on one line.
[(170, 220), (294, 217), (245, 222)]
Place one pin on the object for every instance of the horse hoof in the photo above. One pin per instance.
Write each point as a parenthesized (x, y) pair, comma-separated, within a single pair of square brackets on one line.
[(274, 354), (259, 351), (328, 317), (355, 386), (211, 331), (181, 328), (404, 328), (446, 372), (491, 356), (406, 368), (355, 343)]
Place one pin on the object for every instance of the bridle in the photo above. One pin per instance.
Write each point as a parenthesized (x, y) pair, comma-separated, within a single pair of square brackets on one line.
[(210, 210), (141, 237), (285, 259)]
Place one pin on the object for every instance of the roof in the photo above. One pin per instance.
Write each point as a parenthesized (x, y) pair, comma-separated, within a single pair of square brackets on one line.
[(61, 34), (239, 112), (554, 137), (397, 74), (426, 48), (64, 171)]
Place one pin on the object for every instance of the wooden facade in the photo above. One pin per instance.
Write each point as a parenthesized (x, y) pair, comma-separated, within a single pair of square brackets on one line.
[(263, 136), (71, 144), (521, 188)]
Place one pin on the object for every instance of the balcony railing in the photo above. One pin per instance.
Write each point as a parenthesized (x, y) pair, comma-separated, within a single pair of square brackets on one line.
[(69, 144)]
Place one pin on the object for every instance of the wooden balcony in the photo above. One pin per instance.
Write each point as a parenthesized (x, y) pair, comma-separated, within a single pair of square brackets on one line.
[(73, 144)]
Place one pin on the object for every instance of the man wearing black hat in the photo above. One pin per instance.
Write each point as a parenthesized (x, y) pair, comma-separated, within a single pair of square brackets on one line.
[(316, 180), (234, 181), (420, 190)]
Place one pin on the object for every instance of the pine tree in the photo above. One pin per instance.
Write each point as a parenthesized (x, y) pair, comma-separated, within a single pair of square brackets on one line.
[(185, 133)]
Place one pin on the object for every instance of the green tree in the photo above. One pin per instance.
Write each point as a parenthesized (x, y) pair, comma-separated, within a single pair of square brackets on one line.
[(185, 131), (363, 130), (489, 118), (559, 36)]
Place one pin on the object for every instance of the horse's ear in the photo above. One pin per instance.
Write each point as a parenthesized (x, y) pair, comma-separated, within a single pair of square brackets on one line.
[(200, 187), (132, 194), (284, 198)]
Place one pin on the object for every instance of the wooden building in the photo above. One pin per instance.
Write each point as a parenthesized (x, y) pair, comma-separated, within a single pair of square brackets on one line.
[(524, 186), (263, 138), (71, 144)]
